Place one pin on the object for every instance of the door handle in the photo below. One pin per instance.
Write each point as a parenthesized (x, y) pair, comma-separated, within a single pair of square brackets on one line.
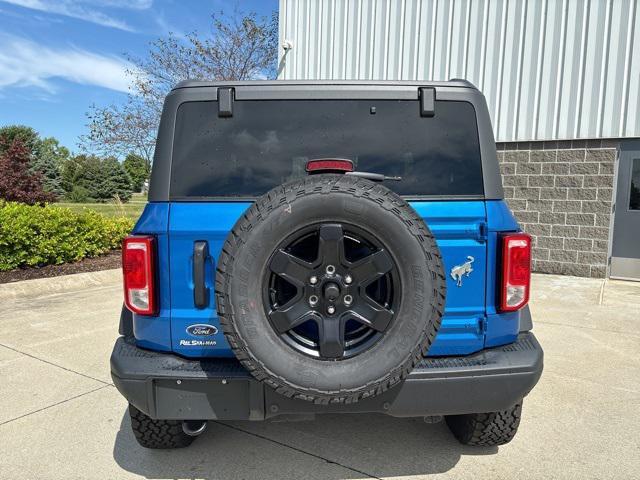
[(200, 289)]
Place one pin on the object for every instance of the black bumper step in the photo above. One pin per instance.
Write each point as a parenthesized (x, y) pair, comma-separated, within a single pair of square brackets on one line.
[(133, 362), (167, 386)]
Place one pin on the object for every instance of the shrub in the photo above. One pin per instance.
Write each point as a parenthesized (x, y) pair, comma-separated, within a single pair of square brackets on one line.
[(36, 236)]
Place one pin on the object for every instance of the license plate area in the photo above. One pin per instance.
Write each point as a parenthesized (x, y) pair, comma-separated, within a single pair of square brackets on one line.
[(211, 399)]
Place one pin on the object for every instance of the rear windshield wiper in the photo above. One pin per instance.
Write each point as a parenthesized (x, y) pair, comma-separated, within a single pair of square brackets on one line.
[(374, 177), (343, 165)]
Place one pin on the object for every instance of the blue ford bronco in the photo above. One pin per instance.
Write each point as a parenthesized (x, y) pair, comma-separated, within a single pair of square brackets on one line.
[(325, 247)]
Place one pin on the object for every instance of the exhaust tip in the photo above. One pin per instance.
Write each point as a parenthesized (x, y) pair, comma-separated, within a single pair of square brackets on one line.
[(193, 428)]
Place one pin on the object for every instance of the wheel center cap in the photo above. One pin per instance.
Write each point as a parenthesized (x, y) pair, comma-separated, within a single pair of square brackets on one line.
[(331, 291)]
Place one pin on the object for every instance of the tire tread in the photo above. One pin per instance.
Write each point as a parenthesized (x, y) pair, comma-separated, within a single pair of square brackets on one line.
[(157, 434), (486, 429)]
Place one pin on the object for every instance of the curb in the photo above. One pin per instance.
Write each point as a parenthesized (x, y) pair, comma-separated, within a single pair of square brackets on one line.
[(65, 283)]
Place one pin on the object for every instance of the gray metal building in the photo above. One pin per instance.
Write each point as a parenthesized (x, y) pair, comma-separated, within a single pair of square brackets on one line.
[(562, 81)]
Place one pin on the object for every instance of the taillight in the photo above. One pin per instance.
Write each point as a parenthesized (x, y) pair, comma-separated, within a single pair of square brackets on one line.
[(328, 165), (516, 271), (139, 270)]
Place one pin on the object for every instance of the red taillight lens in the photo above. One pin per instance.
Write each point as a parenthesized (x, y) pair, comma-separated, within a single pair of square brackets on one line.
[(139, 269), (516, 271), (330, 165)]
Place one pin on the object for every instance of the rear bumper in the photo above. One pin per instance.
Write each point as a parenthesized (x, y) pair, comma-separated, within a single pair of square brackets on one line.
[(170, 387)]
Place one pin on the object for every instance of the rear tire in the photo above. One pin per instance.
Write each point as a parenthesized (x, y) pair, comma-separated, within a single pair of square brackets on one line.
[(486, 429), (158, 434)]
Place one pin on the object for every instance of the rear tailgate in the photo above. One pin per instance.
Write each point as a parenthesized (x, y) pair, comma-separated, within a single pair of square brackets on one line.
[(460, 231), (459, 227), (190, 223)]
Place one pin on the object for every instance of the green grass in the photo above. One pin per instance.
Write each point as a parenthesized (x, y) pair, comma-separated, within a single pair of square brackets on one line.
[(132, 209)]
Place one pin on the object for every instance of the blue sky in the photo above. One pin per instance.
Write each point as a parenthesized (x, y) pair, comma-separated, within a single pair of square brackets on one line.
[(57, 57)]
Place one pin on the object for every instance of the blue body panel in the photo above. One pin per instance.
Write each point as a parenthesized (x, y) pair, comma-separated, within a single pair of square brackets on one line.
[(155, 332), (462, 229), (459, 228), (190, 222), (502, 328)]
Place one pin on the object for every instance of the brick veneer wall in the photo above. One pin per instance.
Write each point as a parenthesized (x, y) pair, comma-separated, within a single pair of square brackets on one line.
[(561, 193)]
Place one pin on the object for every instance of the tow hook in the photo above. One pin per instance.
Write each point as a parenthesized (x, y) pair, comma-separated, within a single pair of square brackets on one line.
[(194, 428)]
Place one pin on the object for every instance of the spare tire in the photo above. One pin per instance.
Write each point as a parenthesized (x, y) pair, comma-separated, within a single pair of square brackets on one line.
[(330, 289)]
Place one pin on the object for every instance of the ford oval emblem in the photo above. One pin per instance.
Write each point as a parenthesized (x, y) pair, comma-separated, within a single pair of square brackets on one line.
[(201, 329)]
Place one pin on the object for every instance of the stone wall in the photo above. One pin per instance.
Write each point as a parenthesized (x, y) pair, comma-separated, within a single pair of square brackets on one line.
[(561, 193)]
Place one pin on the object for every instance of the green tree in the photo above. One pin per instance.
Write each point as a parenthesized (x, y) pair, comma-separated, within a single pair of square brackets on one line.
[(78, 194), (115, 181), (92, 177), (70, 173), (49, 156), (138, 170), (27, 136), (81, 178)]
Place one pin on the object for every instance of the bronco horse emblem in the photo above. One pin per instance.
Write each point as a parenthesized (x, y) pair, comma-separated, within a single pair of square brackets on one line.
[(459, 270)]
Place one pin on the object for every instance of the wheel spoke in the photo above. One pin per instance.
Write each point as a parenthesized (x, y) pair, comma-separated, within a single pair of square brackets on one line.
[(371, 314), (371, 267), (331, 342), (290, 315), (331, 247), (330, 291), (290, 268)]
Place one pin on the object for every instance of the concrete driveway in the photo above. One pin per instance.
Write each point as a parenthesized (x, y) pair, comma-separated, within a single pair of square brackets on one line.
[(60, 416)]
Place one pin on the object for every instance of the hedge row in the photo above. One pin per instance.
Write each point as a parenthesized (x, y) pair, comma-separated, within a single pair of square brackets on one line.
[(32, 235)]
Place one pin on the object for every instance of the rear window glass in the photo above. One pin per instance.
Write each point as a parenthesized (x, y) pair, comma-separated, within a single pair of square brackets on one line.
[(266, 143)]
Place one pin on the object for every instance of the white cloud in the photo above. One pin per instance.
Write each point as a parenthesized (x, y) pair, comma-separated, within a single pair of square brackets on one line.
[(25, 63), (127, 4), (87, 10)]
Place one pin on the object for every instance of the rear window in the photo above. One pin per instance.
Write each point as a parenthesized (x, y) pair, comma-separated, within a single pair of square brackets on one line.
[(268, 142)]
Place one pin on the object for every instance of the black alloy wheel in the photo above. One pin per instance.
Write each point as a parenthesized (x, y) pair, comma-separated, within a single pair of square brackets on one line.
[(331, 291)]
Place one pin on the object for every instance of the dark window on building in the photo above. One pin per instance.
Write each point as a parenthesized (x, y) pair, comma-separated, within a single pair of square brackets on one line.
[(634, 194), (266, 143)]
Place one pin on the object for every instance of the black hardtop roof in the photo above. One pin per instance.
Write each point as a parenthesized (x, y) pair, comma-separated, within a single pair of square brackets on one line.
[(207, 91), (454, 82)]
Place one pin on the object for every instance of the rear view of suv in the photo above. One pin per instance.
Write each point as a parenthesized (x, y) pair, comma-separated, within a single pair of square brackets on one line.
[(325, 247)]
